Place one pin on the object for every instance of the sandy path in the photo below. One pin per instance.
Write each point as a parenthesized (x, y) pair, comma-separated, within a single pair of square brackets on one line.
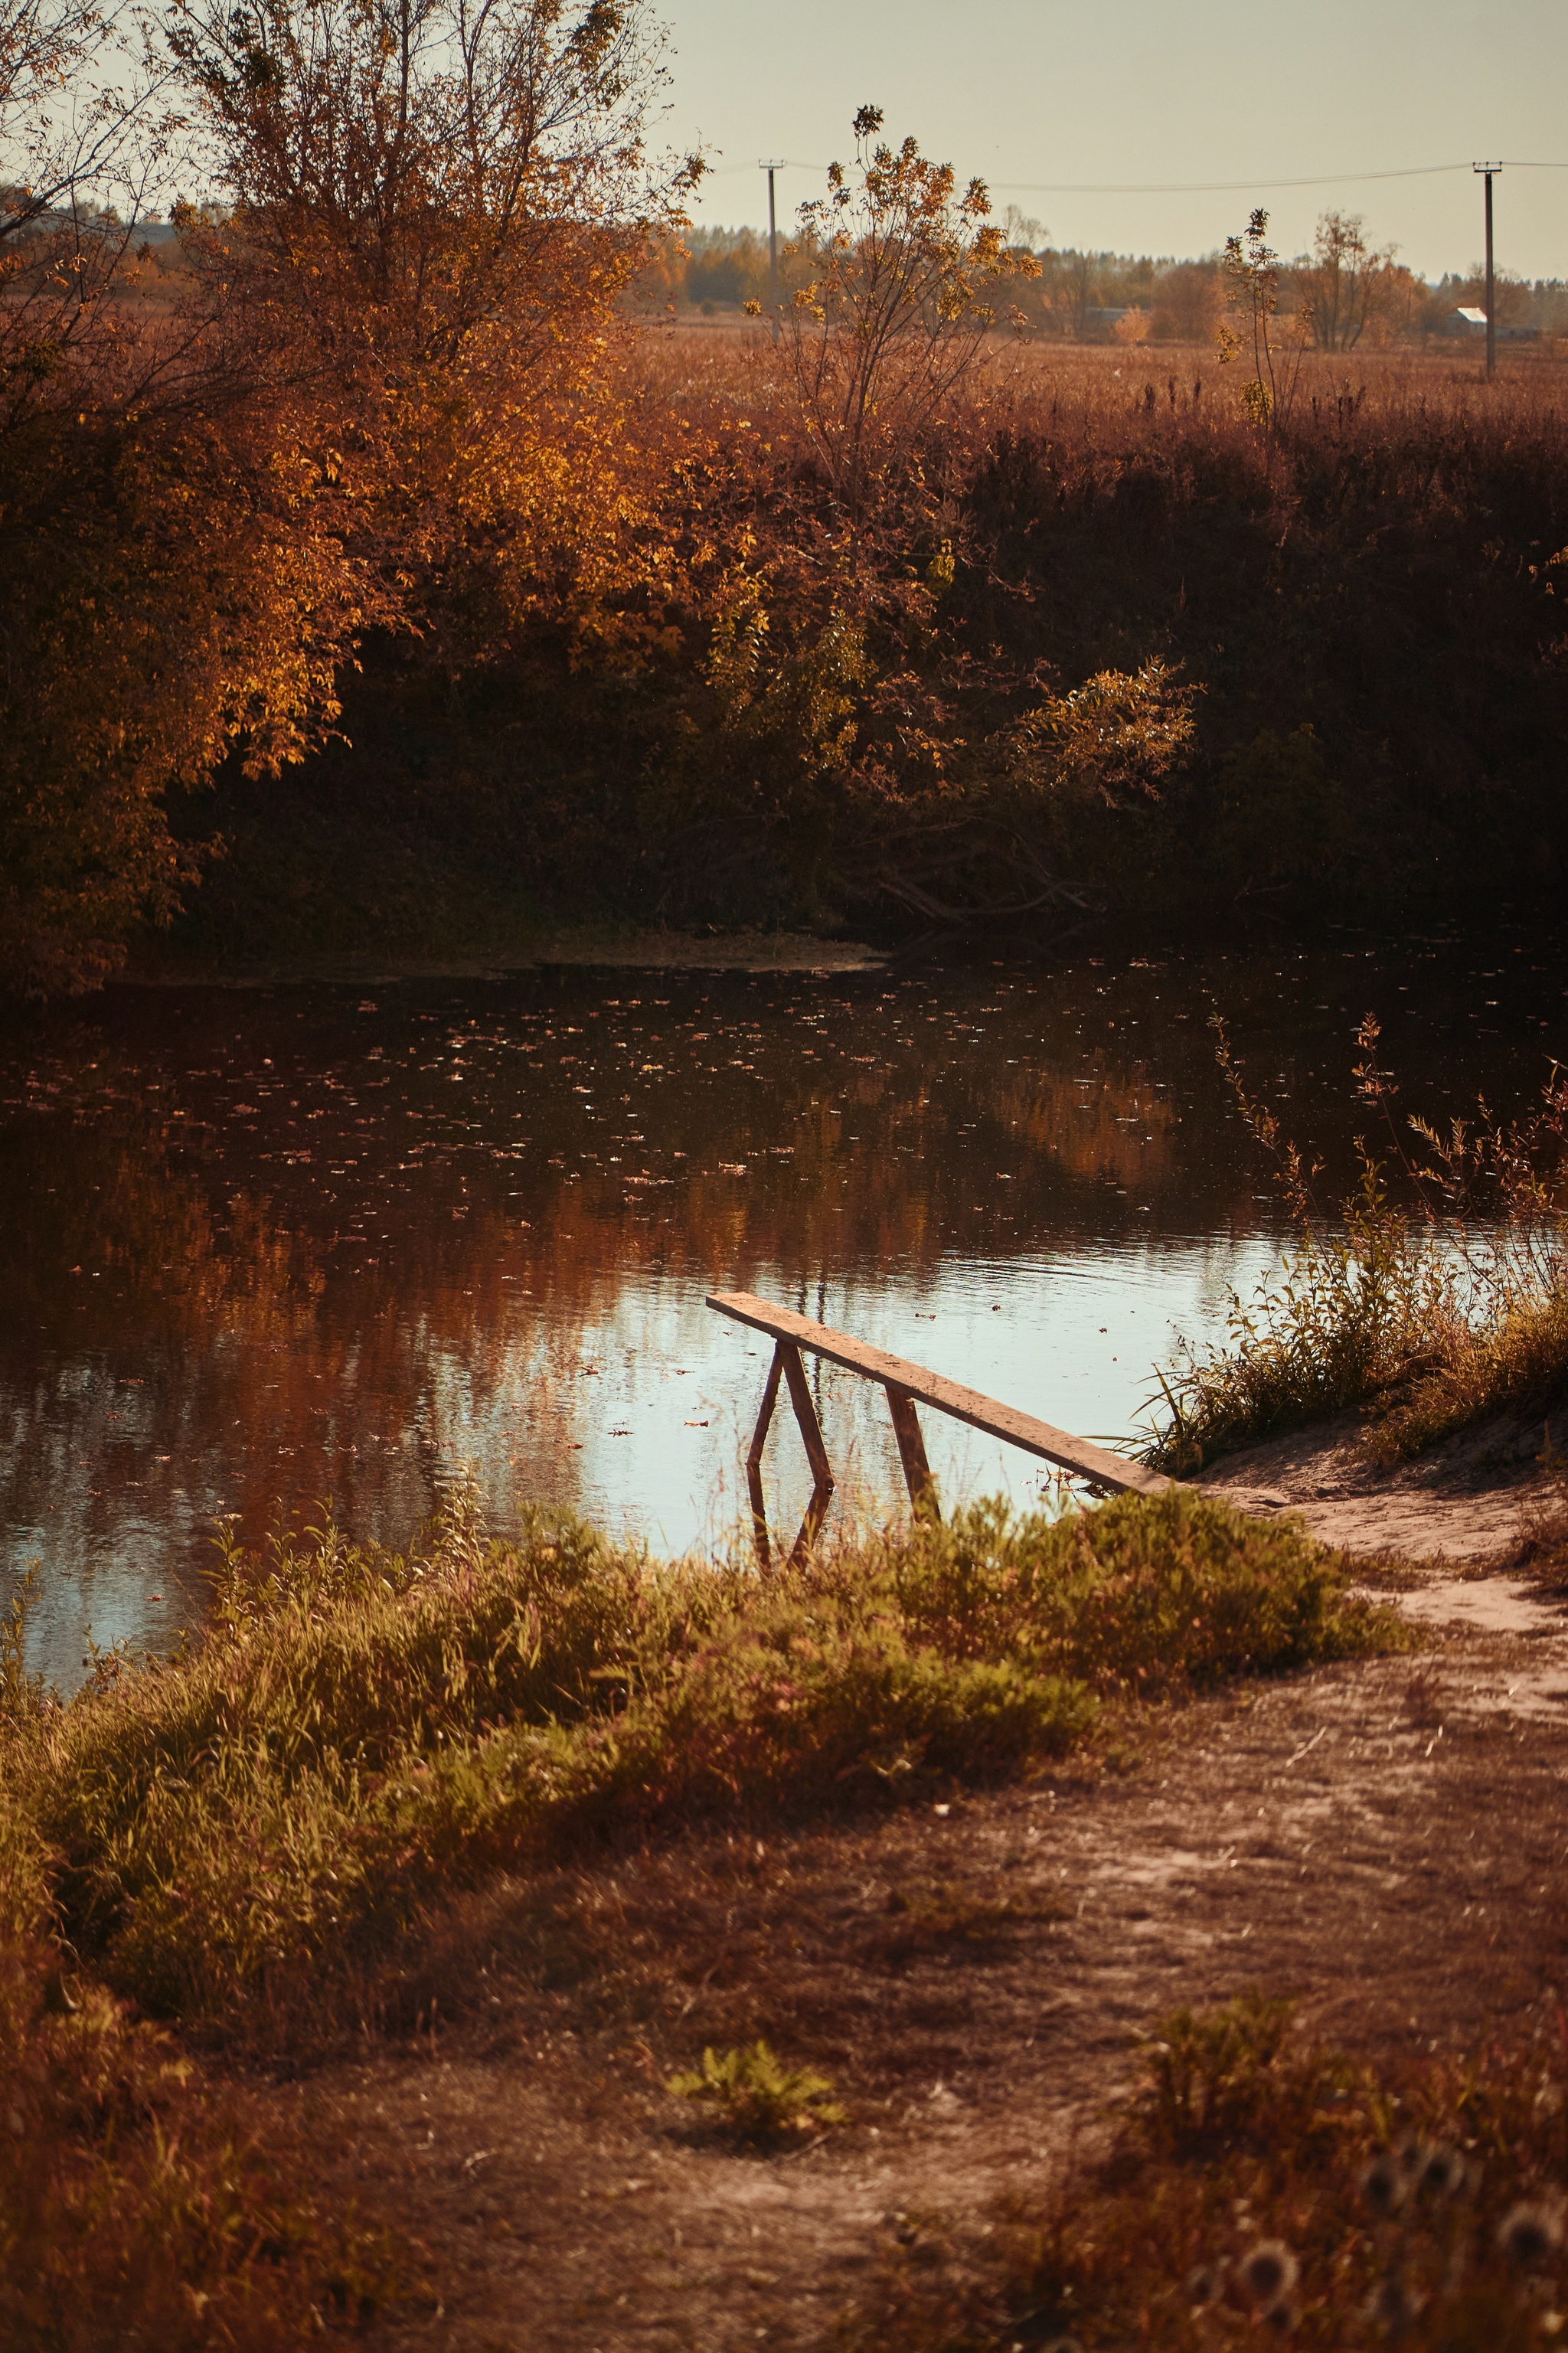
[(1462, 1502)]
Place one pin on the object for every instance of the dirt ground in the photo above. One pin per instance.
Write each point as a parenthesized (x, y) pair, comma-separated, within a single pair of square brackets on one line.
[(1387, 1840), (1462, 1502)]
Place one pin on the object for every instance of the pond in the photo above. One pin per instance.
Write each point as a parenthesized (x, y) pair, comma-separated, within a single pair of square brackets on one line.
[(262, 1248)]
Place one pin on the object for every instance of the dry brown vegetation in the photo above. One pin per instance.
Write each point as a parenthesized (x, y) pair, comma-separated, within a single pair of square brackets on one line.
[(1337, 643)]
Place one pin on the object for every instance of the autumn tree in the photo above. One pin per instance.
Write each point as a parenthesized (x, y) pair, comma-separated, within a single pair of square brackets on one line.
[(1187, 302), (1249, 271), (432, 207), (903, 276), (410, 176), (377, 398), (1345, 283)]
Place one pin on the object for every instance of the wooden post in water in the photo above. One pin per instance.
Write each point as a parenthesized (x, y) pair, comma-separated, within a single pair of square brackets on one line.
[(912, 1452), (786, 1362)]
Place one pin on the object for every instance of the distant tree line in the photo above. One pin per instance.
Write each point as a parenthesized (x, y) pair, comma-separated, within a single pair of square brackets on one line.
[(1348, 292)]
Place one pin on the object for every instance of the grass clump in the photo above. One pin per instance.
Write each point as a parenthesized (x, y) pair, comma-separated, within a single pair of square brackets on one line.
[(362, 1734), (755, 2099), (138, 2206), (1446, 1308), (1258, 2179)]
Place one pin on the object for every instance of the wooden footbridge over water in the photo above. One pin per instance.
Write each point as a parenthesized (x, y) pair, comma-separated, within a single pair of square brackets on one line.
[(907, 1386)]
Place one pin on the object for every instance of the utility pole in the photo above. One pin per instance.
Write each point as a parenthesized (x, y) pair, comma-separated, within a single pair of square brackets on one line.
[(769, 165), (1488, 172)]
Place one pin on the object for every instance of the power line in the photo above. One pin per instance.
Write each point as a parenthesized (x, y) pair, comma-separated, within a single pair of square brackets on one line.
[(1212, 187), (784, 163), (1176, 187)]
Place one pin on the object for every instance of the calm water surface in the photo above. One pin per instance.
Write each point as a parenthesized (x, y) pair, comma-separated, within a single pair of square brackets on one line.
[(261, 1248)]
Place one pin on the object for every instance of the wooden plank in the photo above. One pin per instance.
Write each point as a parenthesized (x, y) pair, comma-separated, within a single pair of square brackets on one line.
[(1079, 1455)]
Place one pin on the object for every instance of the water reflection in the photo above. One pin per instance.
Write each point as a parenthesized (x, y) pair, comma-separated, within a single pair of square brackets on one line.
[(258, 1249)]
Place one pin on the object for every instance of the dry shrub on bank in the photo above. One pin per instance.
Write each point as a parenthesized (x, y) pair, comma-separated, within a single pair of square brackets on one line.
[(1260, 2186), (363, 1734)]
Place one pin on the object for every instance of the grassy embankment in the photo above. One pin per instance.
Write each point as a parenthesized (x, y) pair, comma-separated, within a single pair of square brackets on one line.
[(824, 729), (1433, 1299), (237, 1838)]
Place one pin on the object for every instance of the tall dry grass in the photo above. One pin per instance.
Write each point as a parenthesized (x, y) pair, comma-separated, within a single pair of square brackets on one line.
[(1433, 1299), (1258, 2186)]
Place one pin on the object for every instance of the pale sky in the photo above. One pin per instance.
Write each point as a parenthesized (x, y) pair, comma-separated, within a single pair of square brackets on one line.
[(1145, 91)]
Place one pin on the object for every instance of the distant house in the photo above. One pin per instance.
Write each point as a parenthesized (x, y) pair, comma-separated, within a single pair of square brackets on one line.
[(1467, 322)]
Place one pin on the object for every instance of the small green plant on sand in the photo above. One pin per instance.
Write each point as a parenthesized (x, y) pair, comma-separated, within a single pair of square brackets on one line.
[(1203, 2071), (755, 2098)]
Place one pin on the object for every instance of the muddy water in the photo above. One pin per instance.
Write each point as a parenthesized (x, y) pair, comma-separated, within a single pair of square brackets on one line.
[(258, 1249)]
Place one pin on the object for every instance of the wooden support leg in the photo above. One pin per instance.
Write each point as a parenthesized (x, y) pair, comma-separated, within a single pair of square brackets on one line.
[(754, 1460), (805, 1414), (787, 1364), (811, 1526), (912, 1452)]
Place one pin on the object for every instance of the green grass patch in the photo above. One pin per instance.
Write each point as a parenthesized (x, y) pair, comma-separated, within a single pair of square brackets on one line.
[(362, 1732), (1260, 2186)]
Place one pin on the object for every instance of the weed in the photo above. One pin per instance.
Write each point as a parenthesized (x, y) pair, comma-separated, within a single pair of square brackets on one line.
[(1257, 2179), (1210, 2076), (755, 2099), (956, 1921)]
